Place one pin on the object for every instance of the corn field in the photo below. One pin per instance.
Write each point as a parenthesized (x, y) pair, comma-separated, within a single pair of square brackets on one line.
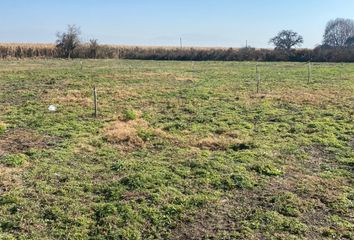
[(19, 51)]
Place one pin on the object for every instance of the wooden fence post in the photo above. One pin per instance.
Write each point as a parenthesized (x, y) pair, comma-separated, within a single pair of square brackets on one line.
[(258, 77), (95, 101), (309, 73)]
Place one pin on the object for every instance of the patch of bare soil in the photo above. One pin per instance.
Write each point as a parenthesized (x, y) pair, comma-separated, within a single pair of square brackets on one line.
[(21, 140)]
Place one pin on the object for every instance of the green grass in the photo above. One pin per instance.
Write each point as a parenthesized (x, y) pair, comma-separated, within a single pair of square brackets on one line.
[(180, 150), (14, 160)]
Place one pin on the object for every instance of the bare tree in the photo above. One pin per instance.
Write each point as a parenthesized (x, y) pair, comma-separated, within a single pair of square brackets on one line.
[(287, 39), (350, 42), (338, 32), (69, 40), (93, 48)]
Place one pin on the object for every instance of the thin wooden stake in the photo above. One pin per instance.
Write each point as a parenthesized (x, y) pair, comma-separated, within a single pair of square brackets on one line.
[(309, 73), (258, 77), (95, 101), (81, 65)]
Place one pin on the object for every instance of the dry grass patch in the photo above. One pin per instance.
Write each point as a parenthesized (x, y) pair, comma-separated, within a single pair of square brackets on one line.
[(9, 178), (302, 96), (157, 74), (184, 78), (167, 75), (125, 94), (125, 134), (71, 97)]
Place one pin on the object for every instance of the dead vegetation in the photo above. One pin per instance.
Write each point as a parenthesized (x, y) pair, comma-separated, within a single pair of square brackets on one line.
[(125, 134), (169, 76), (303, 96), (223, 142), (73, 97), (9, 178)]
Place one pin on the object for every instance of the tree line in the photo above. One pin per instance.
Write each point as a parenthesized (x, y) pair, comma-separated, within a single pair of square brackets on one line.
[(337, 46), (339, 33)]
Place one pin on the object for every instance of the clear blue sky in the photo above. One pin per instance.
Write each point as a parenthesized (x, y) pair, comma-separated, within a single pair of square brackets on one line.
[(227, 23)]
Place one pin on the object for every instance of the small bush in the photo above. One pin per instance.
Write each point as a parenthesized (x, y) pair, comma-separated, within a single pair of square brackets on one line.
[(14, 160)]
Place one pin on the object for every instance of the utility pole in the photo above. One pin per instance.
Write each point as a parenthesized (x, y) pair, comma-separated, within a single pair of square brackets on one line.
[(180, 42)]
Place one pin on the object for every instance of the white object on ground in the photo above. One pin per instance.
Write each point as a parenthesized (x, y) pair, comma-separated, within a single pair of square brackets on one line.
[(52, 108)]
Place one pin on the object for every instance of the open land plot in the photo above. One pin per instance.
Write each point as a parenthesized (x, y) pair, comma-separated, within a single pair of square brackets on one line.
[(179, 150)]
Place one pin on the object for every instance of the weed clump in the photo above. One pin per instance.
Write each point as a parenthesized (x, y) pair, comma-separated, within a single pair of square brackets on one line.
[(287, 204), (14, 160), (129, 115), (2, 127), (239, 179), (271, 221), (266, 169)]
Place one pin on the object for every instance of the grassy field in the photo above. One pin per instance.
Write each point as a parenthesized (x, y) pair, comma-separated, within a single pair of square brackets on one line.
[(180, 150)]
